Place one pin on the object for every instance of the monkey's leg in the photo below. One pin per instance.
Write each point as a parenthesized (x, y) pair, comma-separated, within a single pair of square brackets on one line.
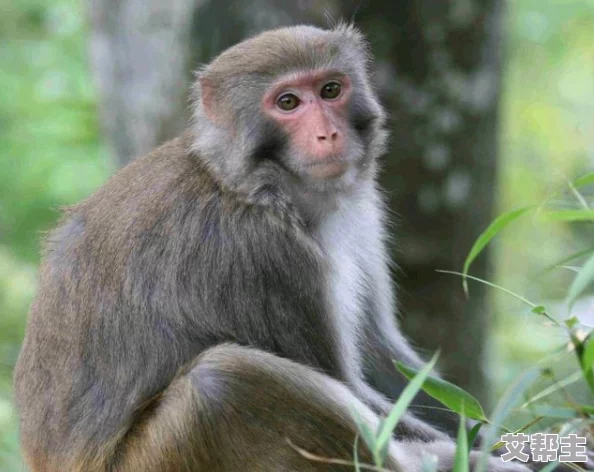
[(234, 409)]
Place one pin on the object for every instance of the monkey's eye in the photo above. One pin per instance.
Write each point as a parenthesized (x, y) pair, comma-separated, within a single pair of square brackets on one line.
[(288, 102), (331, 90)]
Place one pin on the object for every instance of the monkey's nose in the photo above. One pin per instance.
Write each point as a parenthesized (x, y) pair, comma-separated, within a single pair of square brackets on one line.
[(332, 136)]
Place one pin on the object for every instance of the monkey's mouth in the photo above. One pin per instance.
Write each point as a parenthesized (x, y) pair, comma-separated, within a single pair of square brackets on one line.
[(332, 160), (333, 166)]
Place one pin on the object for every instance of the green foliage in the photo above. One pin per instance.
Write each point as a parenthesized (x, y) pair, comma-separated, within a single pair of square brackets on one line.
[(567, 416), (447, 393), (378, 442), (50, 156), (461, 459), (500, 222)]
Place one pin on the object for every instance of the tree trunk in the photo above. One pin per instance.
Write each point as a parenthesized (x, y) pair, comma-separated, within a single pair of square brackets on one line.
[(439, 70), (140, 58)]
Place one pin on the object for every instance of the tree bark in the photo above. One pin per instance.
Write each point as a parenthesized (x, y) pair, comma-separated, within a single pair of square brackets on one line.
[(439, 71), (140, 58)]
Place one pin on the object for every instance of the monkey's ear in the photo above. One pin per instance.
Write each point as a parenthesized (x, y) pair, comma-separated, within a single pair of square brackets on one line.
[(207, 95)]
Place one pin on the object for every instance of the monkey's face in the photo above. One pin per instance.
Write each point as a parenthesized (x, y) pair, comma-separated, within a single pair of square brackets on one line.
[(311, 108), (296, 100)]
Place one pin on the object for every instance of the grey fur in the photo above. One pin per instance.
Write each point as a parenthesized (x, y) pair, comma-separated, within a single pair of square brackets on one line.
[(188, 312)]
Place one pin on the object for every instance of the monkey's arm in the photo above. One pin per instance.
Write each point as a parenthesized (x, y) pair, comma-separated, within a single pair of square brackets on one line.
[(384, 343)]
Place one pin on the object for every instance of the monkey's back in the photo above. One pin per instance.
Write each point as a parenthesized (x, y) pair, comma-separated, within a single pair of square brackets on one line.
[(141, 277)]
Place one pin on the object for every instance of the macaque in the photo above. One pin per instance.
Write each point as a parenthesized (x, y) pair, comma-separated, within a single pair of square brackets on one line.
[(213, 307)]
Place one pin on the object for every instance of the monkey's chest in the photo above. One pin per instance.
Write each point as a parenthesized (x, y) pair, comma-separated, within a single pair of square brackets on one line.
[(345, 253)]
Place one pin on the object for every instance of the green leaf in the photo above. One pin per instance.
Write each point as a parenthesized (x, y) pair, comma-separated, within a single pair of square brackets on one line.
[(585, 353), (400, 407), (568, 215), (492, 230), (491, 284), (461, 459), (566, 260), (356, 454), (447, 393), (571, 322), (382, 454), (588, 355), (473, 434), (554, 412), (584, 277), (364, 431), (539, 310), (502, 410), (558, 385), (587, 179)]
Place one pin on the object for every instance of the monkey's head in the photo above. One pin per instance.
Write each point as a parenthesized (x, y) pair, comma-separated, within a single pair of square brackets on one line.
[(296, 98)]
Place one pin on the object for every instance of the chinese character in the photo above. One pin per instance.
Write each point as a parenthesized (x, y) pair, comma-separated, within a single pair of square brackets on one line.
[(515, 446), (573, 449), (544, 447)]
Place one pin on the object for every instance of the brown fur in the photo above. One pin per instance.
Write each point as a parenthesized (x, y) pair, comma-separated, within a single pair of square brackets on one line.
[(184, 320)]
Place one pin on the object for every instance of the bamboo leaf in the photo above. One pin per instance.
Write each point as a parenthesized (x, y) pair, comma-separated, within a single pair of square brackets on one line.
[(399, 408), (356, 454), (492, 230), (550, 411), (584, 180), (584, 277), (588, 355), (568, 215), (473, 434), (447, 393), (502, 410), (461, 458), (566, 260), (365, 431), (505, 290)]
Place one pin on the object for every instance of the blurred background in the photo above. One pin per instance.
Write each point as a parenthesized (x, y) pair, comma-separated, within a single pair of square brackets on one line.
[(491, 108)]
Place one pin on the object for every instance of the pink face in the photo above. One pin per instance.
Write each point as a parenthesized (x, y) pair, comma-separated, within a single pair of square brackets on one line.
[(312, 109)]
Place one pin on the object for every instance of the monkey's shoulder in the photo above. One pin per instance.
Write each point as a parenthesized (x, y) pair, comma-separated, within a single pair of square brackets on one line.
[(169, 202)]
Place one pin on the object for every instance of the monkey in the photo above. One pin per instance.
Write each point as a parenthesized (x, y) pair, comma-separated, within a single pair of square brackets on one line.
[(213, 306)]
